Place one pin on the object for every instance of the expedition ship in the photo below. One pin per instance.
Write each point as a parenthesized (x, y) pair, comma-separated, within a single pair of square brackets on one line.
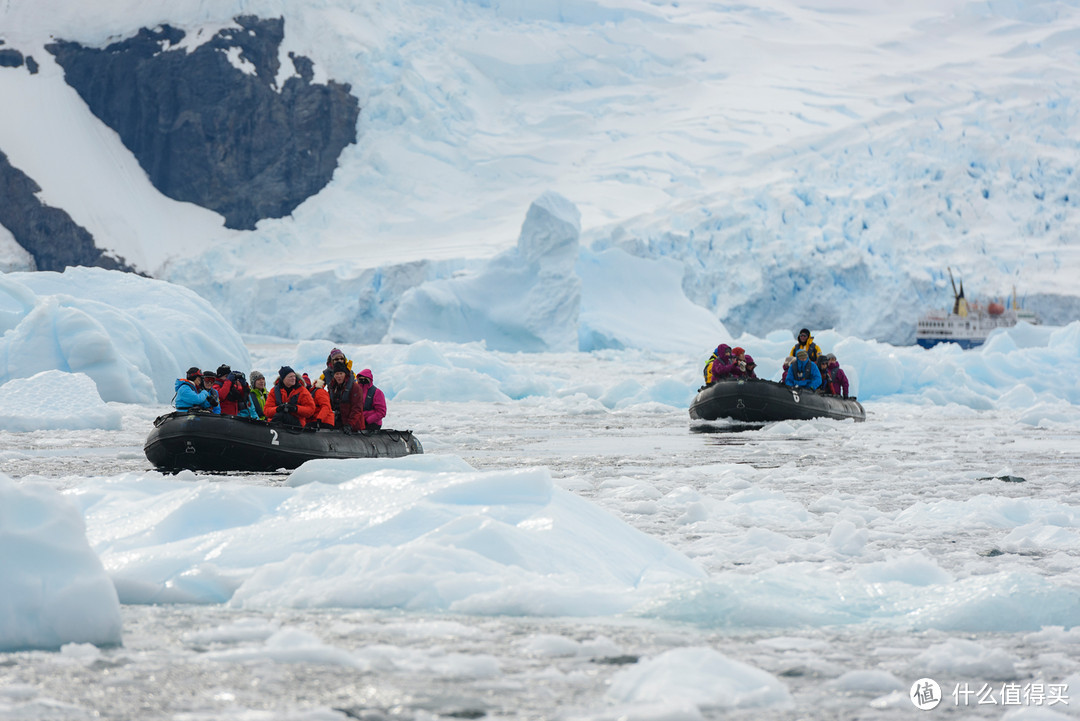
[(969, 324)]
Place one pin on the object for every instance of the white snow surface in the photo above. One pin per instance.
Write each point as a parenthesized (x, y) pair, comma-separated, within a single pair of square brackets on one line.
[(804, 162)]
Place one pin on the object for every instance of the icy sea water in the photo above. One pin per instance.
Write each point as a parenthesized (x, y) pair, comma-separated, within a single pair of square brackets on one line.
[(747, 506)]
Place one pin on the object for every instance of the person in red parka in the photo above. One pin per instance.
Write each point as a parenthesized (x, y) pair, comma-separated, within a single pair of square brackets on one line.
[(289, 402), (232, 389), (324, 413), (346, 398), (374, 400)]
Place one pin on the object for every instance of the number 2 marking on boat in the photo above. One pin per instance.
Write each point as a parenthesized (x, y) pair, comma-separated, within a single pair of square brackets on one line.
[(273, 437)]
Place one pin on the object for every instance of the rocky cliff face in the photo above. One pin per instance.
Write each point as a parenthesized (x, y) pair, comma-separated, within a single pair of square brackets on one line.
[(210, 126), (48, 234)]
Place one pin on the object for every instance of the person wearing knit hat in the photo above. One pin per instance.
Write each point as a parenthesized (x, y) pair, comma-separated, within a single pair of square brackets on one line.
[(289, 402), (336, 355), (258, 393), (346, 399), (840, 385), (803, 372), (743, 364)]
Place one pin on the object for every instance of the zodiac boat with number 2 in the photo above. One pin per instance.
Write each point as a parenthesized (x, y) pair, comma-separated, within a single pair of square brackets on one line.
[(202, 441), (752, 400)]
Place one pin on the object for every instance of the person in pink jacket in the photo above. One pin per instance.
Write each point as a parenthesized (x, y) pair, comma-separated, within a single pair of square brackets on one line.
[(374, 402)]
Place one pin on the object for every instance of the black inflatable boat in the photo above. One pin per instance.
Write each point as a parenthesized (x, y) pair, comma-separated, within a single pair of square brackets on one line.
[(752, 400), (202, 441)]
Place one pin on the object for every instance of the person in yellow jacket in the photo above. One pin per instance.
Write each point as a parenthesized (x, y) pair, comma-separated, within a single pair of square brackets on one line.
[(806, 343)]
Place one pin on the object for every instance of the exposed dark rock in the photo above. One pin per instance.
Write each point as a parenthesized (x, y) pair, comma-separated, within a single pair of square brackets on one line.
[(209, 133), (49, 234), (31, 64), (10, 58)]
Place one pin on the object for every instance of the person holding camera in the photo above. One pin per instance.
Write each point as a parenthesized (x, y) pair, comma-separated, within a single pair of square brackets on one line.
[(232, 389), (209, 379), (289, 402), (744, 364)]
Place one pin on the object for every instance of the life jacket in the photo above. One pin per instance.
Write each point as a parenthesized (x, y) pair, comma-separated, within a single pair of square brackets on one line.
[(811, 349), (340, 393), (801, 374), (257, 399), (297, 393)]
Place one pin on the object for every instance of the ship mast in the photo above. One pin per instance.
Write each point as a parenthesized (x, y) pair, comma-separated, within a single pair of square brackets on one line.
[(959, 303)]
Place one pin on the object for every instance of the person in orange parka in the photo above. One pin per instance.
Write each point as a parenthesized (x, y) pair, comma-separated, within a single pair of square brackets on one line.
[(289, 402), (324, 414)]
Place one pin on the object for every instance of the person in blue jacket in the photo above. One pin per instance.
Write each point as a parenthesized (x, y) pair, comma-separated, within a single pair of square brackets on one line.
[(192, 395), (803, 372)]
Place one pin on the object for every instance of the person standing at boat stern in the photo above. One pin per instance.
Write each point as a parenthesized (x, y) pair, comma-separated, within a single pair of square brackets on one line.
[(806, 342), (289, 402), (803, 373), (336, 356), (374, 400)]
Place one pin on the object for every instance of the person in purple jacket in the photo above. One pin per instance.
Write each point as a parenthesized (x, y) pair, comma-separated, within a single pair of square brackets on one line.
[(839, 377), (720, 364)]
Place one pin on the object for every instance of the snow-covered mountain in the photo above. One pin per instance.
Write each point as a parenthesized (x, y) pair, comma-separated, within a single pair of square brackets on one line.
[(812, 163)]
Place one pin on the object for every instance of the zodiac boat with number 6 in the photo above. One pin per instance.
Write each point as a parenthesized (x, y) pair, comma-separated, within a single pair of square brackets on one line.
[(751, 400), (202, 441)]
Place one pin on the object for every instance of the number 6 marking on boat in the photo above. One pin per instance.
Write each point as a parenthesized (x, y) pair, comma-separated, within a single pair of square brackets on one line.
[(273, 437), (795, 395)]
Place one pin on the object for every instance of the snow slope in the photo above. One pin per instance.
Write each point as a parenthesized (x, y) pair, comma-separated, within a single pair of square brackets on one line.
[(808, 163)]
